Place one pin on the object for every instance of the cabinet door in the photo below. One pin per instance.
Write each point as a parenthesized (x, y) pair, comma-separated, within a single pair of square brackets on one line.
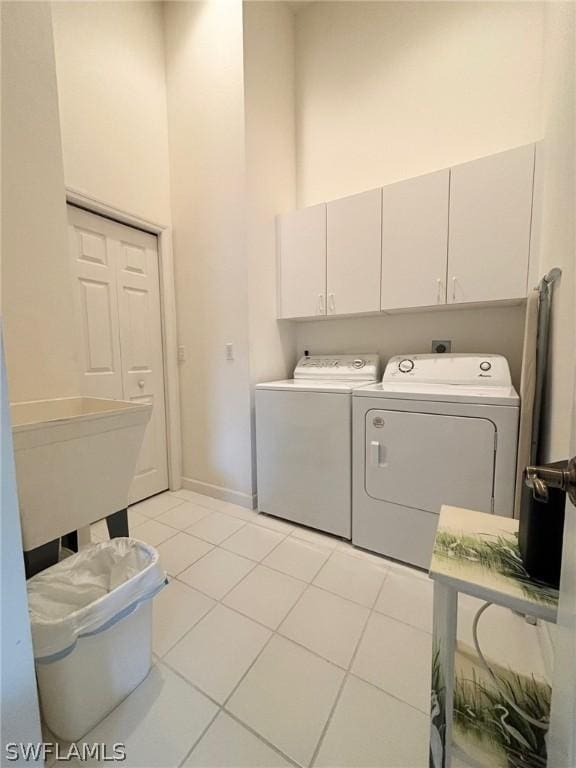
[(489, 239), (415, 241), (354, 232), (302, 262)]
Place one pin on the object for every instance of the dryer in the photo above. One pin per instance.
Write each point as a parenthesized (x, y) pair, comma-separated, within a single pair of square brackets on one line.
[(438, 429), (304, 441)]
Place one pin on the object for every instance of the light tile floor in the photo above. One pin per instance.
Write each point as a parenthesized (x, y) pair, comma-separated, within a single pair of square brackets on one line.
[(275, 646)]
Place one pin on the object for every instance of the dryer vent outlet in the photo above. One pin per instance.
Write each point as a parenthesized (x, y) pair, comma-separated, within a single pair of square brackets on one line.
[(442, 345)]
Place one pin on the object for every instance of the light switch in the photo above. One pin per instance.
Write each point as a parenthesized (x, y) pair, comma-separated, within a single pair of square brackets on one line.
[(229, 351)]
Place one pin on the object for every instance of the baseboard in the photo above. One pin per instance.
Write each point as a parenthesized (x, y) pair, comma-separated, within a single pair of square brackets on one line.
[(248, 500)]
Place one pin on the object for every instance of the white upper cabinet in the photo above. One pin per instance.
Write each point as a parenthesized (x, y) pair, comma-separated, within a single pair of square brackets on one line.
[(455, 236), (302, 262), (354, 231), (415, 241), (489, 235)]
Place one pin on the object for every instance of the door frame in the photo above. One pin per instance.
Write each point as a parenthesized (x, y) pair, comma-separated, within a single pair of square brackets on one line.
[(167, 317)]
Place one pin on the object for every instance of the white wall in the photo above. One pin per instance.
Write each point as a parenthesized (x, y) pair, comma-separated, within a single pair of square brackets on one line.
[(270, 176), (497, 330), (557, 228), (204, 69), (19, 698), (111, 82), (39, 323), (270, 182), (20, 721), (389, 90), (558, 248)]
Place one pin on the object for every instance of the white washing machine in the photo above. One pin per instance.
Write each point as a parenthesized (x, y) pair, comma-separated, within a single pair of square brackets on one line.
[(438, 429), (304, 441)]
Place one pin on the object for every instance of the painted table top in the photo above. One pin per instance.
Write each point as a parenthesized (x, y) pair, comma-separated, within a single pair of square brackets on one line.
[(477, 553)]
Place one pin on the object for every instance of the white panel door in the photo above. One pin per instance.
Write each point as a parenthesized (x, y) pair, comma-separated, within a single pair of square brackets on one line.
[(354, 234), (489, 237), (424, 460), (302, 262), (415, 241), (121, 348), (96, 305)]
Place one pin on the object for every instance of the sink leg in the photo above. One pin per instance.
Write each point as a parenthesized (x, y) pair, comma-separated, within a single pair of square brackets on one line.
[(36, 560), (70, 541), (118, 524)]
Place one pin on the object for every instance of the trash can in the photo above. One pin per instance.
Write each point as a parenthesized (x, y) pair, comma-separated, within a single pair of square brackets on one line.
[(91, 618)]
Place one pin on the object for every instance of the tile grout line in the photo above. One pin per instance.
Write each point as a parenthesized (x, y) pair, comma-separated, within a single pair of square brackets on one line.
[(144, 501), (346, 676), (216, 601), (276, 632), (262, 738), (273, 633), (394, 696), (386, 571)]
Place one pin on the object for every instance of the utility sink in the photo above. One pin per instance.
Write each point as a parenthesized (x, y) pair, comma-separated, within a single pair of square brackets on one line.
[(75, 460)]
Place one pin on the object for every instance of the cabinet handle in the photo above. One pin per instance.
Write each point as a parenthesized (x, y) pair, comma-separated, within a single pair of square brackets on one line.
[(453, 289), (331, 302), (440, 291), (321, 310)]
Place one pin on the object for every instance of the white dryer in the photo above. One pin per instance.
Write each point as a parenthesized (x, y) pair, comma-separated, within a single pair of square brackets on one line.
[(438, 429), (304, 441)]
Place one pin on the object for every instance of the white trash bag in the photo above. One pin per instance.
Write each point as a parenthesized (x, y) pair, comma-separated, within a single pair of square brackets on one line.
[(91, 629)]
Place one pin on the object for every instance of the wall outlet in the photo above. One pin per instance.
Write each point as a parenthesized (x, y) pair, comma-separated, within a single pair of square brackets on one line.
[(441, 345)]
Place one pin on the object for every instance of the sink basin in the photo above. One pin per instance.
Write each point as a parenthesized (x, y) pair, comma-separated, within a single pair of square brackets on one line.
[(75, 460)]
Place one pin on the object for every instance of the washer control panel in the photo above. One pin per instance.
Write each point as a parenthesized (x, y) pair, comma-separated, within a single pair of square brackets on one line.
[(361, 367), (457, 369)]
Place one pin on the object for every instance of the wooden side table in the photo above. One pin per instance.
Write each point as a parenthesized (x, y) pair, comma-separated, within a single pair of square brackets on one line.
[(477, 554)]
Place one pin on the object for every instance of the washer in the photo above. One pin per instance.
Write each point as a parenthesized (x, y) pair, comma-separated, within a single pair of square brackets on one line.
[(438, 429), (304, 441)]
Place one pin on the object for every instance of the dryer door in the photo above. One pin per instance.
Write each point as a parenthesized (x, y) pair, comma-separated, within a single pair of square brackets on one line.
[(424, 460)]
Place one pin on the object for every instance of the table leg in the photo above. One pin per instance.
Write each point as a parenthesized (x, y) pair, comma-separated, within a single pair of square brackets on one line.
[(442, 692)]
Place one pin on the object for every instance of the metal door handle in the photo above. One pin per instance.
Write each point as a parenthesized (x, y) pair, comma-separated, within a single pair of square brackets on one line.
[(141, 383), (453, 289), (331, 302), (321, 310), (541, 479), (375, 453)]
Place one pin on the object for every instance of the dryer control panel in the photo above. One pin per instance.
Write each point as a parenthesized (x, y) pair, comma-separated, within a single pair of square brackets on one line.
[(458, 369), (361, 367)]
